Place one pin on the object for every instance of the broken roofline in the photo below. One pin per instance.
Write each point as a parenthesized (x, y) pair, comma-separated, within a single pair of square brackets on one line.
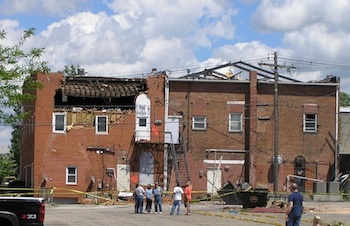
[(102, 87), (247, 67)]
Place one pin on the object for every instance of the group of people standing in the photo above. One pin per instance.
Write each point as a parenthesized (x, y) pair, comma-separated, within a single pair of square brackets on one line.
[(157, 193), (151, 194)]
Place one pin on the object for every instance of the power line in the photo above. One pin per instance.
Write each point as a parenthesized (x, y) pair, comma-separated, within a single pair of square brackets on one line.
[(276, 66)]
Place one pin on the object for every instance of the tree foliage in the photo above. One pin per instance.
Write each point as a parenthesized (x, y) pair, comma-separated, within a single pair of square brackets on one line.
[(17, 64), (8, 166), (344, 99), (15, 149)]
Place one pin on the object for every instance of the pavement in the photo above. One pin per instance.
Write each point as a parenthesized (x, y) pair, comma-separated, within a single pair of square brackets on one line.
[(204, 213)]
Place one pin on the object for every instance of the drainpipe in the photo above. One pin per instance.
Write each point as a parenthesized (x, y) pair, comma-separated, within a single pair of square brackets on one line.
[(336, 133), (188, 115), (166, 105)]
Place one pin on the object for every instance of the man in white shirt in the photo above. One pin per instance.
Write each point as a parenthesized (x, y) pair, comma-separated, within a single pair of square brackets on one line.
[(177, 196)]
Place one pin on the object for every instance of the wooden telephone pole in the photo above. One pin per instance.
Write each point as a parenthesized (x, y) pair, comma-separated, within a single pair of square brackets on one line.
[(275, 133)]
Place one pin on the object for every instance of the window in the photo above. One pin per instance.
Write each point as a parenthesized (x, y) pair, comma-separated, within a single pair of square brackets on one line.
[(235, 122), (101, 124), (59, 123), (310, 123), (143, 122), (71, 175), (199, 123)]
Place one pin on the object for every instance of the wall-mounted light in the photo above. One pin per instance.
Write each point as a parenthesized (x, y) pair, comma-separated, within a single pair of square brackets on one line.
[(158, 122), (279, 160), (110, 172), (200, 173)]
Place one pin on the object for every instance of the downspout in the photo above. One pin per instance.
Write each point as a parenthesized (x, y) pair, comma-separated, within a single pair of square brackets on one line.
[(336, 133), (166, 105), (188, 115)]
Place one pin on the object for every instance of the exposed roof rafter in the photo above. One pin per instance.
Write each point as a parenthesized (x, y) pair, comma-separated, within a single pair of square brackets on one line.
[(240, 65)]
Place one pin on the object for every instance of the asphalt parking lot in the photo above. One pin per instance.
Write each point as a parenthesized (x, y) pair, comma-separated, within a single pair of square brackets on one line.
[(80, 215), (203, 214)]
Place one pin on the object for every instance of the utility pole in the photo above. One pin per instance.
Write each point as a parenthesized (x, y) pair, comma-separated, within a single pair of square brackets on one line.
[(275, 132)]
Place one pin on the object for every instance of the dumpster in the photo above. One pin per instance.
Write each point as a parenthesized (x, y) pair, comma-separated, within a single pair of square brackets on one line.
[(254, 198), (248, 198), (229, 195)]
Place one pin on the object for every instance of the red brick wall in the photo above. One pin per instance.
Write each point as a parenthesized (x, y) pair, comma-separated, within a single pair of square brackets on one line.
[(216, 95), (52, 152), (292, 140)]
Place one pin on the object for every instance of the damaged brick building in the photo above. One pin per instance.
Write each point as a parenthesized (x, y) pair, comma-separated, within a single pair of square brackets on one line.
[(107, 134)]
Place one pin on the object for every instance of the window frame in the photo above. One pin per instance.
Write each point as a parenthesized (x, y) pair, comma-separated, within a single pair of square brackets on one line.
[(55, 124), (239, 123), (195, 122), (69, 175), (306, 123), (97, 124)]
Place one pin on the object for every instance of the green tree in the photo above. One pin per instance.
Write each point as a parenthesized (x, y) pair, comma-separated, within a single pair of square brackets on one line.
[(8, 166), (344, 99), (16, 67), (15, 149)]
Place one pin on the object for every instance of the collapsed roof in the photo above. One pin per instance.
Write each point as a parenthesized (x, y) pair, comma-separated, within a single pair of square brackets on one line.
[(102, 87)]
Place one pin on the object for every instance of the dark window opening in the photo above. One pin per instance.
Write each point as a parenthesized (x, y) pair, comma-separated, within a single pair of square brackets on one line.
[(142, 122), (124, 103)]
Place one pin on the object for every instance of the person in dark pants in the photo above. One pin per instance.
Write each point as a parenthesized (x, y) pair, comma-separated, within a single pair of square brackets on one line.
[(149, 199), (295, 206)]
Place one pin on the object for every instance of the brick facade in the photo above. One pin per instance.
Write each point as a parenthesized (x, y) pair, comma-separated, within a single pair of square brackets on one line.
[(257, 136), (243, 156), (45, 155)]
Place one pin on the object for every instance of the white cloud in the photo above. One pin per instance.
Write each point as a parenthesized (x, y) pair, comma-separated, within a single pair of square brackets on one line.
[(313, 30), (192, 20), (156, 33), (243, 51), (46, 7), (291, 15), (13, 32), (318, 40)]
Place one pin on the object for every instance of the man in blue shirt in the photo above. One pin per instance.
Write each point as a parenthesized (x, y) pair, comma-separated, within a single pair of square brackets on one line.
[(295, 206)]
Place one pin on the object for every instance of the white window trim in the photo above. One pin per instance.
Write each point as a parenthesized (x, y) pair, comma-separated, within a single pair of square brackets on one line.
[(75, 175), (305, 122), (96, 124), (54, 122), (195, 122), (231, 129)]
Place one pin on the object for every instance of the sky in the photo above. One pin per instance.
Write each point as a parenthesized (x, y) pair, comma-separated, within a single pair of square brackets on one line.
[(127, 38)]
